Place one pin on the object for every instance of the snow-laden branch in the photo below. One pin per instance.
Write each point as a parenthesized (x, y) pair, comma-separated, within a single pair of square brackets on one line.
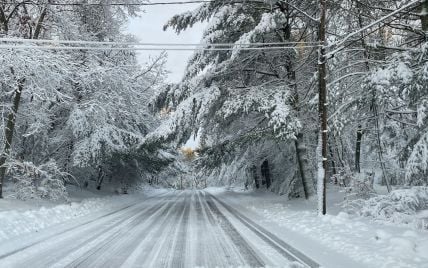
[(317, 20), (346, 76), (339, 44)]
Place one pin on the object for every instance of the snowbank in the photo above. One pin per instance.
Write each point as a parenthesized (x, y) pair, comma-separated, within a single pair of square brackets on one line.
[(368, 243), (14, 223)]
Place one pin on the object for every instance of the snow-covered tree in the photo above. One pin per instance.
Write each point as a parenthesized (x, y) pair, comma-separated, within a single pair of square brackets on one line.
[(377, 85), (238, 99), (80, 108)]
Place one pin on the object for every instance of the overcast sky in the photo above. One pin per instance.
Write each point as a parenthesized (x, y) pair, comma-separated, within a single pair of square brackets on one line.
[(148, 28)]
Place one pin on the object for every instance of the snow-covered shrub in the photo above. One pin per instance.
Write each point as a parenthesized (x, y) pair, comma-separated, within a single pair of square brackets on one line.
[(344, 177), (357, 185), (399, 206), (46, 181), (361, 186)]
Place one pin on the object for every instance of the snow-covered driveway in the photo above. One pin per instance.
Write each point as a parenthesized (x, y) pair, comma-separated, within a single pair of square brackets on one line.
[(177, 229)]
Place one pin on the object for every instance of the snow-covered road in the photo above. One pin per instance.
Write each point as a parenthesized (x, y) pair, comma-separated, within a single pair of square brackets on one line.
[(177, 229)]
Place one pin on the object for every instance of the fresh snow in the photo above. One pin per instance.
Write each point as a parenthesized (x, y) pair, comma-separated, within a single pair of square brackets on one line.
[(365, 243), (213, 227), (181, 228), (20, 218)]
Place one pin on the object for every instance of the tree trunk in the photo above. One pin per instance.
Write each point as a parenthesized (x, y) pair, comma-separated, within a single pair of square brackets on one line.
[(255, 177), (339, 153), (100, 177), (322, 108), (68, 159), (424, 16), (265, 170), (385, 179), (40, 21), (10, 127), (358, 149), (333, 163), (4, 27), (301, 150), (304, 169)]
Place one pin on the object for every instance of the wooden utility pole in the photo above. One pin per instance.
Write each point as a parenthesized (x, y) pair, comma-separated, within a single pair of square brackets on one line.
[(322, 105)]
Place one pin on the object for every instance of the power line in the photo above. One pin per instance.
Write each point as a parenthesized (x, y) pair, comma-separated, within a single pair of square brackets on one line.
[(83, 42), (147, 48), (133, 4)]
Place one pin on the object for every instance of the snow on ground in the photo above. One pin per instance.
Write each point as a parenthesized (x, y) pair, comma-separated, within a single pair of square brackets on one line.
[(21, 217), (179, 229), (369, 243), (335, 240)]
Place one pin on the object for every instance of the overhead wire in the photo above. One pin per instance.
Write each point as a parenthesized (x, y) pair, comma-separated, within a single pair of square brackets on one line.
[(131, 4), (84, 42), (21, 43), (337, 46), (144, 48), (156, 46)]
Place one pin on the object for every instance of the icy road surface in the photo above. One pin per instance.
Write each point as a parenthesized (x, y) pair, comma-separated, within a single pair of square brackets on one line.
[(179, 229)]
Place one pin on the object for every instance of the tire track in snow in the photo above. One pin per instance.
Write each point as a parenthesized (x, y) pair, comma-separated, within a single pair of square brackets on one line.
[(117, 241), (127, 245), (142, 251), (160, 255), (279, 245), (163, 233), (8, 254), (94, 246), (218, 249), (179, 252), (201, 226), (216, 240), (59, 243), (114, 213), (250, 256), (118, 225)]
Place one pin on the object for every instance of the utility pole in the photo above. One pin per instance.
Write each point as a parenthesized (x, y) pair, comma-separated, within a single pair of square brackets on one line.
[(322, 106)]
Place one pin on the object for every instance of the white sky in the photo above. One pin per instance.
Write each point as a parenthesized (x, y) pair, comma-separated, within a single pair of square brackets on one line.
[(148, 28)]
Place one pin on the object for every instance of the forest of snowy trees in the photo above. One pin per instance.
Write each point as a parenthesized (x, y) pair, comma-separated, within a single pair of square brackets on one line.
[(280, 94), (72, 116), (252, 107)]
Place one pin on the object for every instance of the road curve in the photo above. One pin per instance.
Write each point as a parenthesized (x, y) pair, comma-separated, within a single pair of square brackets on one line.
[(180, 229)]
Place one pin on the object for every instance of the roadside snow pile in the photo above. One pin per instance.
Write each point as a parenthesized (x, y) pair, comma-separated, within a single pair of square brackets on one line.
[(406, 206), (371, 244), (406, 245), (14, 223)]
